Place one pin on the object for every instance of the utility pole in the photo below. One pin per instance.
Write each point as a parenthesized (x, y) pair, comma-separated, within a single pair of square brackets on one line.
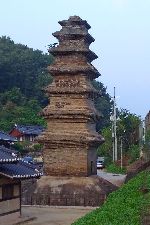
[(121, 151), (114, 128), (113, 142), (115, 125)]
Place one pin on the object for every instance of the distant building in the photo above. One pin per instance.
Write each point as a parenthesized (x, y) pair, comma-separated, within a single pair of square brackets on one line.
[(147, 121), (12, 171), (6, 139), (26, 133)]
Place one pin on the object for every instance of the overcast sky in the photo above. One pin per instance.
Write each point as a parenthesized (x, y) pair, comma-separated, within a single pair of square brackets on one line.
[(121, 29)]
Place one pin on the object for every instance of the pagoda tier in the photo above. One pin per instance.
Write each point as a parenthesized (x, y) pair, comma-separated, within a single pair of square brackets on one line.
[(74, 41), (73, 68), (71, 116)]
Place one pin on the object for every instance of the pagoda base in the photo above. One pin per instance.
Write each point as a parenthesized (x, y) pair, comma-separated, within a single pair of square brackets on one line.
[(70, 191)]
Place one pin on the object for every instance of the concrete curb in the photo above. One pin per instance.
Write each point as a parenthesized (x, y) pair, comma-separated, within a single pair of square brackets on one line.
[(61, 207)]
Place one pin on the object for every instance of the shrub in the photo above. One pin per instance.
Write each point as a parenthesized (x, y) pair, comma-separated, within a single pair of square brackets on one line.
[(134, 153), (112, 168), (37, 147)]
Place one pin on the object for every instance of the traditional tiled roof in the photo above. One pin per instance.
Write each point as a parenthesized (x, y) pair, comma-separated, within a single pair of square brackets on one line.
[(7, 155), (20, 170), (34, 129), (14, 167), (6, 137)]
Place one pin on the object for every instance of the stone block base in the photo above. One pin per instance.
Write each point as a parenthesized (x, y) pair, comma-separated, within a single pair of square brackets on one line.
[(70, 191)]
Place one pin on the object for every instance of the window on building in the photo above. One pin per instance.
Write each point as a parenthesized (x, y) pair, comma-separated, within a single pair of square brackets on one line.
[(7, 191)]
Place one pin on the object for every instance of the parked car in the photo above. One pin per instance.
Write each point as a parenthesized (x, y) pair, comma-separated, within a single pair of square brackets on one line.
[(100, 163)]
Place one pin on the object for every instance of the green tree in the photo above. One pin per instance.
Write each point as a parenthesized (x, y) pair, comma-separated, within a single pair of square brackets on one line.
[(23, 74), (103, 104), (128, 131), (128, 128), (105, 149), (11, 114), (146, 148), (22, 67)]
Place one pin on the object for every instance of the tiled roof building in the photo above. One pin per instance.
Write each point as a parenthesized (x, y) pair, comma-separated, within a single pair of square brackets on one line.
[(26, 133), (12, 171), (6, 139)]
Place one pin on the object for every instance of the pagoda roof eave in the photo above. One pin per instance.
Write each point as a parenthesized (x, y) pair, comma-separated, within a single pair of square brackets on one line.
[(56, 51), (70, 70), (62, 114), (71, 139), (70, 36), (76, 20)]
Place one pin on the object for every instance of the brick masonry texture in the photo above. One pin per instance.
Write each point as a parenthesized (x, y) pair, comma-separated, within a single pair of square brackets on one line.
[(70, 140)]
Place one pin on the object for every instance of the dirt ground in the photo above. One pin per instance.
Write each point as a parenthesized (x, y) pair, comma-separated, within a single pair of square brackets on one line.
[(54, 215)]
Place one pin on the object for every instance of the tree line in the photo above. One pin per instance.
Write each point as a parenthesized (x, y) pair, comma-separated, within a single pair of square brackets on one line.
[(23, 75)]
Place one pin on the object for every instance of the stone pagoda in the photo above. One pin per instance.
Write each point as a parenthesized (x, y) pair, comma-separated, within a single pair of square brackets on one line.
[(70, 141)]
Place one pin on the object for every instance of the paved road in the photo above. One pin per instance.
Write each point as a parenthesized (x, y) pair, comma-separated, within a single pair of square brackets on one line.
[(54, 215), (116, 179)]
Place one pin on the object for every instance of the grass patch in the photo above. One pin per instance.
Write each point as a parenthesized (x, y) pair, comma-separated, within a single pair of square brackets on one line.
[(112, 168), (123, 207)]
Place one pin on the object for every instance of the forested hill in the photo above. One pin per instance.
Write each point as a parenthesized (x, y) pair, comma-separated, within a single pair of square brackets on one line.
[(23, 74), (22, 67)]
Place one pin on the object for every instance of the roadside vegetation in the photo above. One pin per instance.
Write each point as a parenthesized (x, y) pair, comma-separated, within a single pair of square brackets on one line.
[(124, 206), (113, 168), (127, 137)]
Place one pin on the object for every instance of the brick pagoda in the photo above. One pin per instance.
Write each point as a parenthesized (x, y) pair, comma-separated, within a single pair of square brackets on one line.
[(70, 141)]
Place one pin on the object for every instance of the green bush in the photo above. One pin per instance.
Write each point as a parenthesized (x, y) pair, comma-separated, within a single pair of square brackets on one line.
[(122, 207), (134, 153), (112, 168), (37, 147), (22, 147)]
